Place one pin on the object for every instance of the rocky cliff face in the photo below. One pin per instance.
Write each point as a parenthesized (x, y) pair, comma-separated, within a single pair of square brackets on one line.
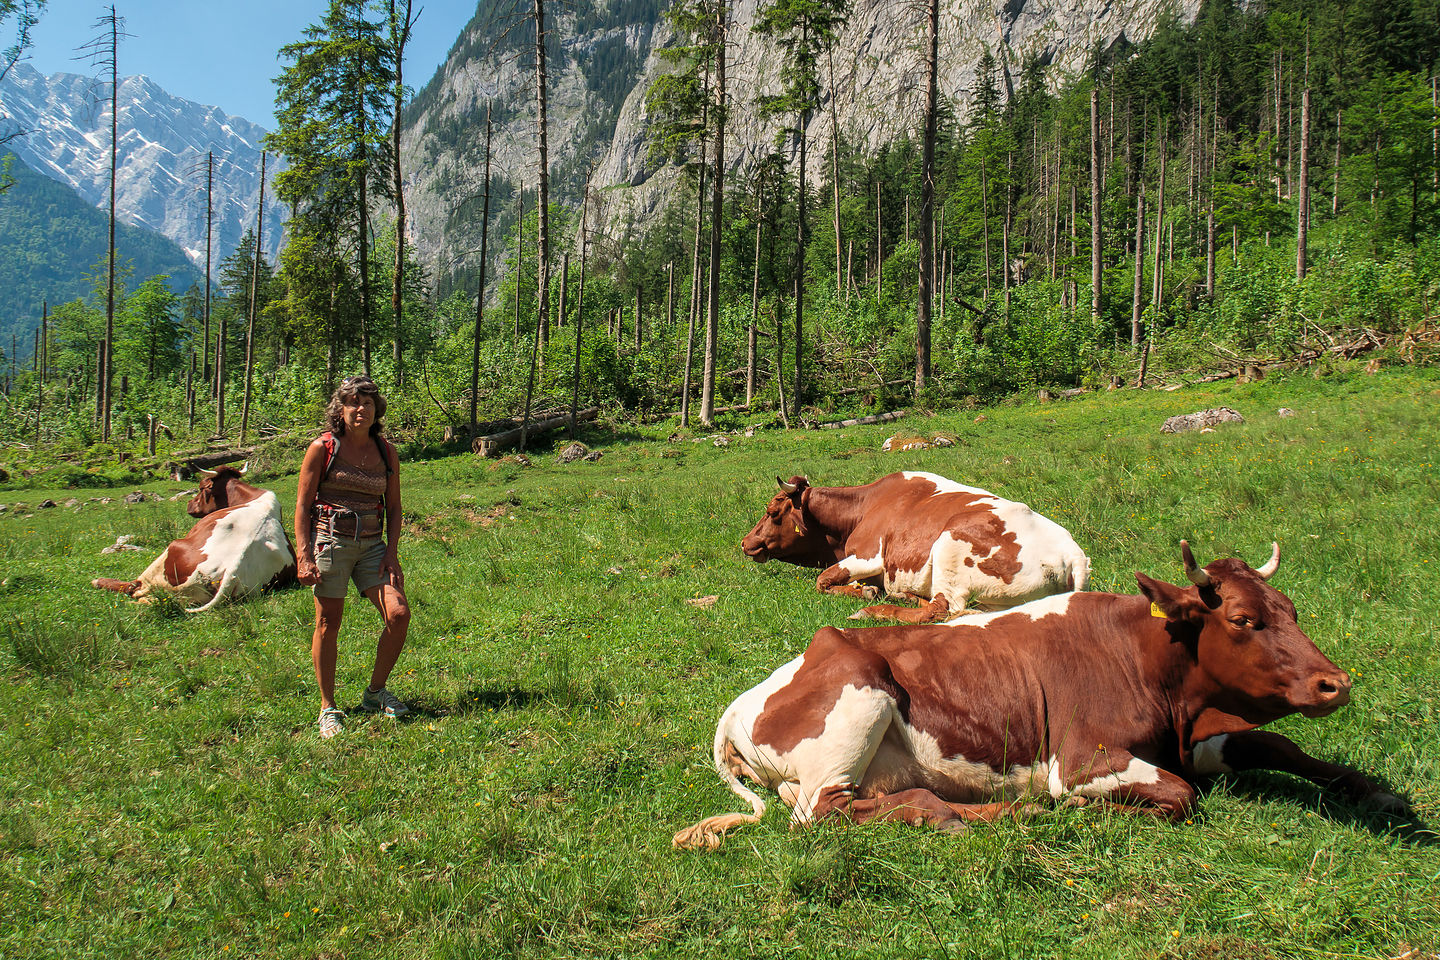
[(878, 84), (163, 143), (597, 52)]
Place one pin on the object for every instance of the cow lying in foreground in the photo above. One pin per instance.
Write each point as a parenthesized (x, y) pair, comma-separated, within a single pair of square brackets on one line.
[(919, 536), (238, 547), (1126, 699)]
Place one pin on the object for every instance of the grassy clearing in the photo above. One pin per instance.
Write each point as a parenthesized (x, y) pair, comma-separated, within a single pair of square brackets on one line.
[(167, 793)]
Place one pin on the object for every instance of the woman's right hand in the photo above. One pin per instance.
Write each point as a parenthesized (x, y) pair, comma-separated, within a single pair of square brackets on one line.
[(307, 572)]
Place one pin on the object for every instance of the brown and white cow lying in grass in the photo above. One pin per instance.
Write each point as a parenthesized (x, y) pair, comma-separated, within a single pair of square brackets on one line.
[(1126, 699), (919, 536), (239, 546)]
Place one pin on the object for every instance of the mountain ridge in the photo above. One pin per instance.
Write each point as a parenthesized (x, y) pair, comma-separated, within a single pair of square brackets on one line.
[(64, 134)]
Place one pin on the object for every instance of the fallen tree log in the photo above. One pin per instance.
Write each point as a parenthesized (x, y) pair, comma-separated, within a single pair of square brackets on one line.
[(216, 458), (862, 421), (490, 445)]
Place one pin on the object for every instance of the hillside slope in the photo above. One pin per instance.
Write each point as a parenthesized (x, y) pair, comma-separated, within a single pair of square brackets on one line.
[(52, 241)]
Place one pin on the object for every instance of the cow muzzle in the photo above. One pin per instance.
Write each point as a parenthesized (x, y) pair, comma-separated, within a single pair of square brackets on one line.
[(1326, 692), (755, 550)]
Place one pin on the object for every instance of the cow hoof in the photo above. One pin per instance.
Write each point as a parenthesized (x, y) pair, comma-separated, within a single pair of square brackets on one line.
[(953, 826), (1387, 803), (869, 592), (861, 614)]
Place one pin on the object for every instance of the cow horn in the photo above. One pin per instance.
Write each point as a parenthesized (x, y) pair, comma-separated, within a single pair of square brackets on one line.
[(244, 468), (787, 487), (1192, 570), (1268, 570), (206, 473)]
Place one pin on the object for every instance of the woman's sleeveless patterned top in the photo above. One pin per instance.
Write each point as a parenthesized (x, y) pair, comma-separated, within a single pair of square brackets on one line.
[(355, 488)]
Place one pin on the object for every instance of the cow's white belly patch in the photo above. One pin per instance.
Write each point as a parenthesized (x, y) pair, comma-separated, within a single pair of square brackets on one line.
[(862, 568), (1056, 604), (1208, 756), (910, 758), (1137, 771)]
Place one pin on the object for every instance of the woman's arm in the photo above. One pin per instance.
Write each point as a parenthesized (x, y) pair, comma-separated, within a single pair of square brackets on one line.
[(310, 470), (392, 517)]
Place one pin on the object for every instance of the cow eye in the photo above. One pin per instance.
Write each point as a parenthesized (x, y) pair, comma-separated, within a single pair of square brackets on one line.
[(1242, 621)]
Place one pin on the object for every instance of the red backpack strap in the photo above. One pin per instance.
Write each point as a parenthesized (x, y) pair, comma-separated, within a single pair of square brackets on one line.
[(384, 456), (332, 446)]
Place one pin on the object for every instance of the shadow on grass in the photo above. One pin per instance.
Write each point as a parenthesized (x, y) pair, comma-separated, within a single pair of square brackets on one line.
[(475, 700), (1407, 827)]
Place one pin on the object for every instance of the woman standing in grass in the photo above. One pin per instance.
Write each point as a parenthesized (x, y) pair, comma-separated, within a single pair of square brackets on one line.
[(347, 527)]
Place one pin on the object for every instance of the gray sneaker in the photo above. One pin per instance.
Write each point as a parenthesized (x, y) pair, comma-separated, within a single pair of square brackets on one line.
[(382, 701), (332, 721)]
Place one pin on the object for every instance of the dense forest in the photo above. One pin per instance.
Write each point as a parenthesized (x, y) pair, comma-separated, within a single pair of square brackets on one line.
[(1261, 182), (52, 245)]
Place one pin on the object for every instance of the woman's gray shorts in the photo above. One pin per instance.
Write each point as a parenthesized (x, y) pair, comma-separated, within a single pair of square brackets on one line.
[(341, 559)]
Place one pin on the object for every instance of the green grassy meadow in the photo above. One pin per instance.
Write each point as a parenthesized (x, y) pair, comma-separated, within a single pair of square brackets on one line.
[(166, 793)]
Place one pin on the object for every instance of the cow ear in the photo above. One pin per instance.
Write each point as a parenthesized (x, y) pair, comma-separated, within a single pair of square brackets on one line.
[(1170, 601)]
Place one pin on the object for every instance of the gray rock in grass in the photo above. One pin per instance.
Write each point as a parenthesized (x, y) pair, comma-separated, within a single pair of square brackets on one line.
[(1201, 420)]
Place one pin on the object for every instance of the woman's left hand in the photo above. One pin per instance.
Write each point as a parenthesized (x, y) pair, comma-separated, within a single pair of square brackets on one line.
[(391, 565)]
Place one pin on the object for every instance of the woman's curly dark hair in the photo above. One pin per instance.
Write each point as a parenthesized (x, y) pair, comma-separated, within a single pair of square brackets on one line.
[(350, 389)]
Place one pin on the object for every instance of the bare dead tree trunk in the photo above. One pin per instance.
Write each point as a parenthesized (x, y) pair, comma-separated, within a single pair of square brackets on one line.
[(695, 274), (1159, 277), (42, 350), (751, 339), (254, 305), (1302, 228), (670, 295), (519, 261), (190, 390), (780, 367), (108, 344), (1335, 195), (222, 368), (542, 203), (834, 176), (480, 291), (925, 292), (985, 223), (399, 37), (1137, 305), (1210, 195), (1072, 282), (1210, 250), (717, 214), (879, 244), (580, 306), (1005, 229), (1097, 275), (206, 372), (561, 310), (364, 211)]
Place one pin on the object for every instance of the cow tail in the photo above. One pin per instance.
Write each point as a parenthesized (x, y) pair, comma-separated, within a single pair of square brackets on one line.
[(708, 833), (227, 586), (1079, 572)]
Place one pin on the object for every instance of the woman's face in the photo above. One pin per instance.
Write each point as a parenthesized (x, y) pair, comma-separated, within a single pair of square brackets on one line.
[(358, 413)]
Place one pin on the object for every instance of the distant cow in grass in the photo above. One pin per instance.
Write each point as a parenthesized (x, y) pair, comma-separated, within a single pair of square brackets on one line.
[(919, 536), (239, 546), (1125, 699)]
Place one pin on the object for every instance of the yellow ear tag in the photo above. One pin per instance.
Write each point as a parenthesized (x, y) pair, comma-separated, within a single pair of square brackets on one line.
[(797, 529), (1155, 611)]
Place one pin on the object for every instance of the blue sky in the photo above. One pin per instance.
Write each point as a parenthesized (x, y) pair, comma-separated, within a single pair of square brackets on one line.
[(222, 52)]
